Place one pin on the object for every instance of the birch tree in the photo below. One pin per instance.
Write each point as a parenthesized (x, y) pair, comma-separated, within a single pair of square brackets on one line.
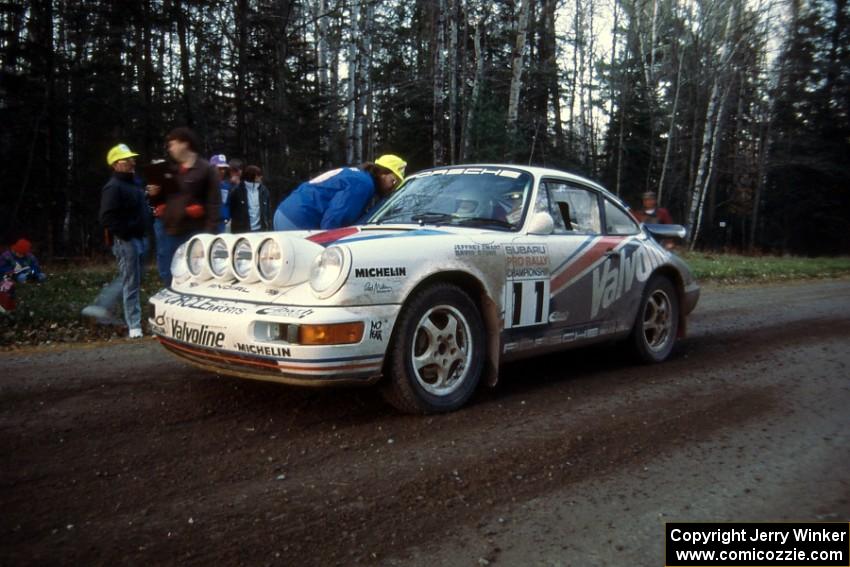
[(477, 79), (516, 75), (353, 143), (439, 65), (711, 132)]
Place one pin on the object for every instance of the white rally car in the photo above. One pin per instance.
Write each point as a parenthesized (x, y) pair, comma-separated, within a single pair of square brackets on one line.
[(459, 270)]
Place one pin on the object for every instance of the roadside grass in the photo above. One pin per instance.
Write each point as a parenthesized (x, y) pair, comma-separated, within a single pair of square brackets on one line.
[(50, 312), (734, 269)]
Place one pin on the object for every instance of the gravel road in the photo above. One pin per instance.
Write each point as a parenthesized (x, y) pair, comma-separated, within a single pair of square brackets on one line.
[(120, 454)]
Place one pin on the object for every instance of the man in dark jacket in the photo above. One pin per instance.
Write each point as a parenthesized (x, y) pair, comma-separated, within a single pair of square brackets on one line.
[(196, 204), (123, 212), (250, 208)]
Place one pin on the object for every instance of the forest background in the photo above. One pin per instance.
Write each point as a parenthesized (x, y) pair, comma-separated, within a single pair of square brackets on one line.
[(737, 113)]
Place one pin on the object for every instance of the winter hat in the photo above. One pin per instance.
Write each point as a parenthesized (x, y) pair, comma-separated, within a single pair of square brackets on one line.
[(22, 247), (219, 160), (393, 163)]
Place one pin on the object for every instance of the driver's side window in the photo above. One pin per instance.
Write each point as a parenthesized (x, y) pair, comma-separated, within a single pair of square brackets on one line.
[(575, 210)]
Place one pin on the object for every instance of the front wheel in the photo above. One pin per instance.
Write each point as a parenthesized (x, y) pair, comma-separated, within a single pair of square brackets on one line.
[(657, 323), (437, 354)]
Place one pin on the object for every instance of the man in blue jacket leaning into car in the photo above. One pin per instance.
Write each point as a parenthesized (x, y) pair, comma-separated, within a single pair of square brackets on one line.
[(339, 197)]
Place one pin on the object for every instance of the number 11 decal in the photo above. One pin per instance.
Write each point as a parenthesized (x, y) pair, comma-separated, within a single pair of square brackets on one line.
[(527, 303)]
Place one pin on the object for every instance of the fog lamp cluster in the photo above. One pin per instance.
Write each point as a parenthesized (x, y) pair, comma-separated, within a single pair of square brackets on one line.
[(271, 259)]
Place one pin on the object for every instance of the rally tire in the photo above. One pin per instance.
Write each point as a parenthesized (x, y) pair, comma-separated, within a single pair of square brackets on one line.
[(436, 356), (657, 322)]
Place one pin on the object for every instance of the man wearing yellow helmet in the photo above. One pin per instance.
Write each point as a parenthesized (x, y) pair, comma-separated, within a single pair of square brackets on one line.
[(124, 213), (339, 197)]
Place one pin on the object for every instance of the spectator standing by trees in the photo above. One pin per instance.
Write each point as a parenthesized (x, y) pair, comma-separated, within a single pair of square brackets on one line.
[(219, 161), (250, 208), (124, 214), (651, 213), (236, 166)]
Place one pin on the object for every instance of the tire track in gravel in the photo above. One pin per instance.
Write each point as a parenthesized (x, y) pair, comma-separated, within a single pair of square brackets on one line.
[(128, 448)]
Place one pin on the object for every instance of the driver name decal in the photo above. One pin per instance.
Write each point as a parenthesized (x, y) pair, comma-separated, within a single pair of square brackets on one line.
[(476, 249)]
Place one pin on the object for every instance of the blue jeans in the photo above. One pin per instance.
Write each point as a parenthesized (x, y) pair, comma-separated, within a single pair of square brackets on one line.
[(166, 245), (128, 283)]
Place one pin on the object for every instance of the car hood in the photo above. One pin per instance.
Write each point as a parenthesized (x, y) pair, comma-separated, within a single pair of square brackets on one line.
[(373, 247), (352, 234)]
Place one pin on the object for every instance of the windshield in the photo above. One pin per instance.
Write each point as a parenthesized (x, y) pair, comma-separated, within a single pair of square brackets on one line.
[(472, 196)]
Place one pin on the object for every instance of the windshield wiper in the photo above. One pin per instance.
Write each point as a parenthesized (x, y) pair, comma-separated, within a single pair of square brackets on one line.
[(431, 217), (483, 221)]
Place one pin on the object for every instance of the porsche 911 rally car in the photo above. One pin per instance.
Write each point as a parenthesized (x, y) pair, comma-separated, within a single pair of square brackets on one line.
[(461, 269)]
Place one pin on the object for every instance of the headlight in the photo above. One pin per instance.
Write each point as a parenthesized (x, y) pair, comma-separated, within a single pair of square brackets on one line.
[(220, 258), (269, 259), (179, 269), (243, 261), (197, 257), (283, 260), (329, 271)]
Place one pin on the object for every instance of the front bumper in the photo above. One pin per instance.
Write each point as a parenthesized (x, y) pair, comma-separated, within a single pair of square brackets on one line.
[(224, 336)]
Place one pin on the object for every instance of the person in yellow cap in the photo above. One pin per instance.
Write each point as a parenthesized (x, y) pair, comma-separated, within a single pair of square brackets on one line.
[(341, 196), (124, 214)]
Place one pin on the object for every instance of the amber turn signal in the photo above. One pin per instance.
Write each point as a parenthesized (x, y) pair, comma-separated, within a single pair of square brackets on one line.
[(336, 334)]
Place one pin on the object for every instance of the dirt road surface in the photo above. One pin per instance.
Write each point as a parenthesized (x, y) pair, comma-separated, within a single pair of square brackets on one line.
[(120, 454)]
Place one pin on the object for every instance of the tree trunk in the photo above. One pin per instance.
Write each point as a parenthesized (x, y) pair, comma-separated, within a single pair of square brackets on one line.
[(148, 80), (281, 101), (709, 138), (581, 48), (516, 76), (363, 87), (453, 71), (716, 130), (577, 30), (320, 18), (333, 96), (551, 64), (242, 55), (671, 130), (185, 72), (350, 132), (476, 87), (438, 59), (763, 159)]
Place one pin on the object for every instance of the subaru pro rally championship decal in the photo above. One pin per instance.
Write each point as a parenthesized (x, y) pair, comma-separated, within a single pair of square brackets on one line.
[(527, 293)]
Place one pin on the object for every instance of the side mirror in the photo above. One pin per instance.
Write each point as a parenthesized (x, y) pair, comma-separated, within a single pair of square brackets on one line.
[(541, 223), (666, 230)]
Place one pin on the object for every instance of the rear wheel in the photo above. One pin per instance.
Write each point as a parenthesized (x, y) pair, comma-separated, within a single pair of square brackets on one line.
[(657, 322), (437, 354)]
